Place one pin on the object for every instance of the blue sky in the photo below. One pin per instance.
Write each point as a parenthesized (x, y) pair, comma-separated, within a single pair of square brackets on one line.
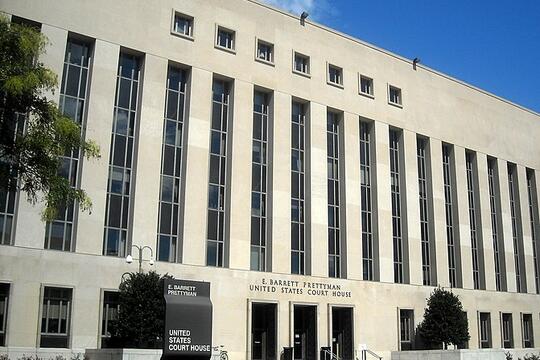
[(494, 45)]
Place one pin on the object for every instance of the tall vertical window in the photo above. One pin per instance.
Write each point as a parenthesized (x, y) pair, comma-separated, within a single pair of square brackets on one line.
[(9, 131), (366, 202), (475, 222), (171, 166), (527, 330), (484, 324), (109, 317), (451, 230), (535, 226), (334, 194), (406, 329), (259, 180), (59, 233), (298, 187), (507, 332), (123, 137), (215, 244), (494, 204), (55, 317), (425, 233), (11, 127), (396, 197), (4, 301), (515, 215)]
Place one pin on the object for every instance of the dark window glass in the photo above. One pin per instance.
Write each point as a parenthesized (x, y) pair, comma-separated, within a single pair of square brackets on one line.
[(123, 132), (55, 317)]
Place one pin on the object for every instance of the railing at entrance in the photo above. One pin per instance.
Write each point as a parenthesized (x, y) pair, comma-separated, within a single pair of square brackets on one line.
[(326, 354), (364, 353)]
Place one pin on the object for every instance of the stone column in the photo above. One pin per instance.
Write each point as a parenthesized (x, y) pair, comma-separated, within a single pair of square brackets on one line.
[(506, 230), (318, 191), (384, 202), (487, 231), (240, 182), (146, 198), (351, 159), (197, 148), (281, 183), (413, 208), (463, 221), (29, 227), (99, 125), (526, 226), (439, 212)]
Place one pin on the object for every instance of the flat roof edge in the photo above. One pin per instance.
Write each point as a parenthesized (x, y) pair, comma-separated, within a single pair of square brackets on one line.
[(394, 55)]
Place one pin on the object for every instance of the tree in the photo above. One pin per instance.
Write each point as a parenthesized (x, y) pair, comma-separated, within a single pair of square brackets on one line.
[(444, 322), (141, 314), (30, 159)]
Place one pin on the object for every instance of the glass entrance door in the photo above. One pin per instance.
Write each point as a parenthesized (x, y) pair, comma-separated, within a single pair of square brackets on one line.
[(342, 333), (263, 331), (305, 332)]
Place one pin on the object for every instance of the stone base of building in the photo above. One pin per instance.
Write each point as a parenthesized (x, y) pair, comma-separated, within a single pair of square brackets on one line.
[(123, 354), (15, 353), (463, 354)]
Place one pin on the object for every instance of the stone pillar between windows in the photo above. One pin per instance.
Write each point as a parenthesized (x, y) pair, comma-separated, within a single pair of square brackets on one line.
[(526, 226), (27, 298), (197, 148), (148, 163), (439, 212), (413, 208), (281, 182), (384, 202), (463, 221), (506, 230), (98, 128), (240, 132), (351, 159), (485, 213), (53, 58), (318, 191)]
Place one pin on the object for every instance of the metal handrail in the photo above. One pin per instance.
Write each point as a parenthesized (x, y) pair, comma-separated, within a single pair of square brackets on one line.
[(332, 355), (374, 354), (367, 351)]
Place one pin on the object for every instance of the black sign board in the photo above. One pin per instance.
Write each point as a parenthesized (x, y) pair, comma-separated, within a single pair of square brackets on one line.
[(188, 320)]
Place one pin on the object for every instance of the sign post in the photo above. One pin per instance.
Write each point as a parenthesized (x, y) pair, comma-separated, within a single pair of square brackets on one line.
[(188, 320)]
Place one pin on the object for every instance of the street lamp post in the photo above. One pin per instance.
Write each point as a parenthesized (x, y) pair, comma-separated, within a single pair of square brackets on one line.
[(129, 258)]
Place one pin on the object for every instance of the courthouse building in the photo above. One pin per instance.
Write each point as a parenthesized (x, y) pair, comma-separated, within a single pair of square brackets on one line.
[(322, 185)]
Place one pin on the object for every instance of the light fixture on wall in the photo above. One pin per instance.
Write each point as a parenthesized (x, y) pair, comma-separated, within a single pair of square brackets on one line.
[(303, 18), (129, 258)]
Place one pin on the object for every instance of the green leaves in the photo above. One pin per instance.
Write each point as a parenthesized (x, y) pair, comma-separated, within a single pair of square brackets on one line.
[(141, 318), (444, 322), (31, 160)]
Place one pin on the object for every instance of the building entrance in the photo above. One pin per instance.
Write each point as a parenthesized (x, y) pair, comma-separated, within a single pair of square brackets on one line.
[(263, 331), (342, 333), (305, 332)]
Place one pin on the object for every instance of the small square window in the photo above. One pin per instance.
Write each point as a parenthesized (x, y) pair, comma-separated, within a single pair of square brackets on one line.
[(265, 52), (183, 25), (394, 95), (335, 75), (301, 64), (366, 86), (225, 38)]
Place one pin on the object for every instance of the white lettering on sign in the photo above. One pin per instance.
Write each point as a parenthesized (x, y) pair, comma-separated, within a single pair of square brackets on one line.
[(294, 287), (180, 340), (181, 290)]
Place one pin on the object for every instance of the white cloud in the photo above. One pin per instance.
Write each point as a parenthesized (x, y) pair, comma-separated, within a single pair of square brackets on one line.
[(317, 9)]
